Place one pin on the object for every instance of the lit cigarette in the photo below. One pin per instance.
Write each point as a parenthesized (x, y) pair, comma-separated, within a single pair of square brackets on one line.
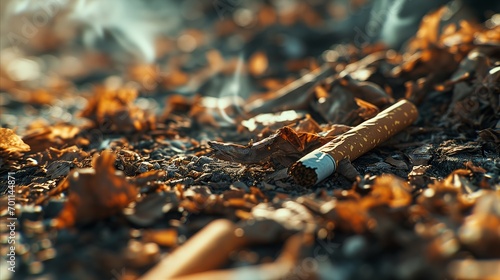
[(322, 162)]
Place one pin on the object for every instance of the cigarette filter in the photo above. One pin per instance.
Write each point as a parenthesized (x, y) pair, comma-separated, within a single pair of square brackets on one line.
[(322, 162)]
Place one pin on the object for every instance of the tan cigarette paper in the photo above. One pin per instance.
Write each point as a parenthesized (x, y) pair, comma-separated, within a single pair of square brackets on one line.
[(206, 250), (322, 162)]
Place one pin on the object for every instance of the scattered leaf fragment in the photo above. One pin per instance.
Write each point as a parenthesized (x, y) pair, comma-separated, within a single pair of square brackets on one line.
[(95, 193), (11, 143)]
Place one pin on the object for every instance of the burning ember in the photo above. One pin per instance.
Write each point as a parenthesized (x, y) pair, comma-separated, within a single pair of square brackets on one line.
[(328, 139)]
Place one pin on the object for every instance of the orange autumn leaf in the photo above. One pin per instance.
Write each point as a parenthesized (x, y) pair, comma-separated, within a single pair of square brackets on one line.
[(42, 136), (347, 215), (308, 125), (11, 147), (479, 232), (95, 193), (10, 142), (146, 75), (258, 64), (389, 190), (366, 109), (114, 110), (174, 79), (162, 237), (428, 32)]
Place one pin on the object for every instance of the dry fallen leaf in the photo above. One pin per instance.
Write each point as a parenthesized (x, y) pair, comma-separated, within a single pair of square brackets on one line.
[(258, 64), (284, 146), (72, 153), (11, 147), (44, 136), (148, 76), (389, 190), (114, 110), (480, 231), (11, 143), (95, 193), (428, 32), (339, 107), (367, 91)]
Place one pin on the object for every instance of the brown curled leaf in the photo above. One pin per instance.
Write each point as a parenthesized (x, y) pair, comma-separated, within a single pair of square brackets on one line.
[(95, 193), (11, 143), (339, 107), (114, 110), (389, 190), (285, 145), (43, 136), (11, 147), (367, 91)]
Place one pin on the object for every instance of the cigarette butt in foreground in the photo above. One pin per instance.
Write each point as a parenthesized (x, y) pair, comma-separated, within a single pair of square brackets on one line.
[(322, 162), (209, 249), (206, 250), (282, 268)]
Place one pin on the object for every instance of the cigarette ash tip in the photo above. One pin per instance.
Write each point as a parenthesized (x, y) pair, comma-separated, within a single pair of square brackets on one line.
[(312, 168)]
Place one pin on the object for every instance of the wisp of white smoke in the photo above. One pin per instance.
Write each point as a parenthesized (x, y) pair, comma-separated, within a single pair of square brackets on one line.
[(134, 24)]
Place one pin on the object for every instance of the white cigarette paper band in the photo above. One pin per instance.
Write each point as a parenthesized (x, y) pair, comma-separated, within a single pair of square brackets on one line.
[(323, 164)]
